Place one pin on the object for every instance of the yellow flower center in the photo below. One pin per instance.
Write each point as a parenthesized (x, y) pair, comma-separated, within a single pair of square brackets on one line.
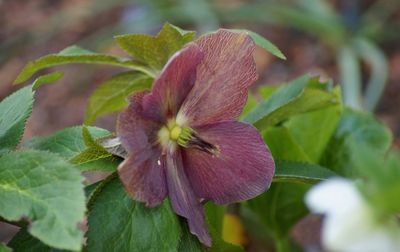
[(173, 133)]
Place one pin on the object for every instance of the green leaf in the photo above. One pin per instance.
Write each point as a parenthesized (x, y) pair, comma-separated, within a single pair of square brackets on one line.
[(46, 79), (299, 96), (69, 143), (263, 42), (75, 54), (313, 130), (355, 130), (300, 172), (111, 95), (130, 226), (155, 50), (14, 111), (48, 191), (24, 242), (4, 248)]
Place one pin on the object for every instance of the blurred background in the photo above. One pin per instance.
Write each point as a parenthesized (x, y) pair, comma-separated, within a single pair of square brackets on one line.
[(354, 42)]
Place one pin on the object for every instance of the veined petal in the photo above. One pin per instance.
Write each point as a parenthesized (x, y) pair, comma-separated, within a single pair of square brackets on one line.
[(135, 131), (183, 199), (223, 78), (143, 177), (240, 168), (173, 84)]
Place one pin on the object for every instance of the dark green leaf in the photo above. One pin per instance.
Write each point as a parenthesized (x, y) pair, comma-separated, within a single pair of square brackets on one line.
[(46, 79), (76, 54), (69, 143), (155, 50), (263, 42), (118, 223), (299, 96), (24, 242), (14, 111), (48, 191), (111, 95), (300, 172)]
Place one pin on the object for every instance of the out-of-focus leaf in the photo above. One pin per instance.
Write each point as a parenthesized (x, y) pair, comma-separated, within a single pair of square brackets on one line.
[(379, 72), (69, 143), (155, 50), (4, 248), (355, 129), (48, 191), (313, 130), (14, 111), (283, 146), (24, 242), (75, 54), (46, 79), (142, 228), (291, 99), (111, 95), (300, 172), (263, 42)]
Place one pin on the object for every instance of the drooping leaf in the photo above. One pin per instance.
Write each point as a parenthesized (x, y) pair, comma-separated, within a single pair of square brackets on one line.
[(155, 50), (75, 54), (118, 223), (69, 143), (24, 242), (111, 95), (300, 172), (355, 129), (263, 42), (48, 191), (46, 79), (298, 96), (14, 111)]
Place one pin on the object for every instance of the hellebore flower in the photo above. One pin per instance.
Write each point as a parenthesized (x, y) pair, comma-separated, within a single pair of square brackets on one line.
[(350, 224), (183, 139)]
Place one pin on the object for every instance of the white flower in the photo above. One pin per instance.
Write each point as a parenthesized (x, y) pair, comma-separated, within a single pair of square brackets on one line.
[(350, 224)]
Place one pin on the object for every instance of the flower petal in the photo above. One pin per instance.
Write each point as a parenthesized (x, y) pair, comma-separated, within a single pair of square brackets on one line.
[(223, 78), (183, 199), (135, 131), (241, 168), (173, 84), (143, 177)]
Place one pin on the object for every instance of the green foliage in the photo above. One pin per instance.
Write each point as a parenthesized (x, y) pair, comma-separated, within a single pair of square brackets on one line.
[(155, 50), (48, 191), (14, 111), (118, 223), (24, 242), (300, 172), (263, 42), (69, 143), (299, 96), (4, 248), (46, 79), (75, 54), (111, 95)]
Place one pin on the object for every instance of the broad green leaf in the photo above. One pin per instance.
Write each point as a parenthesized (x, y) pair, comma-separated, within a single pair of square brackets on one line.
[(111, 95), (355, 129), (189, 242), (280, 207), (300, 172), (14, 111), (155, 50), (24, 242), (263, 42), (298, 96), (4, 248), (262, 94), (75, 54), (48, 191), (283, 146), (69, 143), (118, 223), (313, 130), (46, 79)]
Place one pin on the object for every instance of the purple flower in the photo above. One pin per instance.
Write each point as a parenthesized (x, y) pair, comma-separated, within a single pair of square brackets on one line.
[(183, 138)]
